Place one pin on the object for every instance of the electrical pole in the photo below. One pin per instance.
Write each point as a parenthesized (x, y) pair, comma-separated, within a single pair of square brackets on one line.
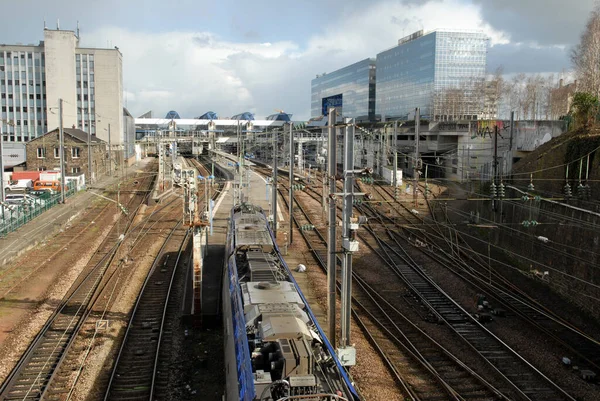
[(110, 153), (239, 166), (2, 195), (416, 163), (126, 153), (395, 164), (274, 195), (291, 177), (118, 209), (469, 167), (331, 259), (512, 124), (347, 214), (89, 143), (495, 164), (322, 165), (62, 150)]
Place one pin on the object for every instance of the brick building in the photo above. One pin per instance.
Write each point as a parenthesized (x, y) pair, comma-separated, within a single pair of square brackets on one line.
[(43, 153)]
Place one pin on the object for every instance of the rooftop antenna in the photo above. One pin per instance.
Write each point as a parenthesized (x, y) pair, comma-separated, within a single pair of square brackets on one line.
[(45, 27), (57, 24), (77, 29)]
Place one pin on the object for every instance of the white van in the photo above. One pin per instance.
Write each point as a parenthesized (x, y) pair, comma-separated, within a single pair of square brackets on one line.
[(19, 186)]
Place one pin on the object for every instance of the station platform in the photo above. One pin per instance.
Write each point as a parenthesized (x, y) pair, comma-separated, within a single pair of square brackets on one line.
[(255, 190), (214, 260)]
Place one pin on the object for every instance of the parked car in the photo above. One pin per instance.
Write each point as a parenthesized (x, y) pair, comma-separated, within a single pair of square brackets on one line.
[(24, 199), (41, 194), (15, 199)]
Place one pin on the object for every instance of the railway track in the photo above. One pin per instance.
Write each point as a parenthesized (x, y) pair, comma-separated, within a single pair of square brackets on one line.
[(18, 272), (525, 380), (38, 368), (141, 369), (446, 373), (584, 349), (135, 374), (446, 378)]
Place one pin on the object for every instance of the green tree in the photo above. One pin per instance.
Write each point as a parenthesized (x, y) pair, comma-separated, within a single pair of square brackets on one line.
[(584, 108)]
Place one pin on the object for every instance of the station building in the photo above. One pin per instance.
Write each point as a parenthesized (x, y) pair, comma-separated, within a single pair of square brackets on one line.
[(43, 153)]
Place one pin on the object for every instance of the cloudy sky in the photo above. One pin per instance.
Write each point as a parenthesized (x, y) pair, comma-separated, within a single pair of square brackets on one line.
[(231, 56)]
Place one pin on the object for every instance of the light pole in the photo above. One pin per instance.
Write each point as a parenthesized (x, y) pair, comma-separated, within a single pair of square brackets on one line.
[(331, 255), (210, 206), (205, 179), (2, 122), (62, 150)]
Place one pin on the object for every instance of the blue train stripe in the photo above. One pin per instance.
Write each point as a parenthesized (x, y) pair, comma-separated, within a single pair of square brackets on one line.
[(242, 352), (333, 353)]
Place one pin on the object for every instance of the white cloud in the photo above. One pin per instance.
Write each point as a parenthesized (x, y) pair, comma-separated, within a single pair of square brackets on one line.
[(193, 72)]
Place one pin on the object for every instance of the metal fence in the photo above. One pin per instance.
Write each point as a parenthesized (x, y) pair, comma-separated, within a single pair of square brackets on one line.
[(14, 216)]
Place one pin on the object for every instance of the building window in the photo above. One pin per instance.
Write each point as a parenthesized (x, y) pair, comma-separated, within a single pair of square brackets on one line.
[(41, 153), (56, 153), (43, 168), (75, 170), (75, 153)]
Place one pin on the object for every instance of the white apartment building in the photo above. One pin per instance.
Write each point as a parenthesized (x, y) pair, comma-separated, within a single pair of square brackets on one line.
[(33, 78)]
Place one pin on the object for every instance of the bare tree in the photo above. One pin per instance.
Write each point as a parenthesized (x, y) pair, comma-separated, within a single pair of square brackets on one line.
[(586, 55), (492, 93), (459, 102), (517, 95)]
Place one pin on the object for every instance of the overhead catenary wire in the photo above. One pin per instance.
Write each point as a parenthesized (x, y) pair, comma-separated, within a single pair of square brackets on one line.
[(531, 237)]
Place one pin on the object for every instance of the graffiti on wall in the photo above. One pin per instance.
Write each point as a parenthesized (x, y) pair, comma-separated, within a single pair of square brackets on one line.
[(527, 135), (485, 128)]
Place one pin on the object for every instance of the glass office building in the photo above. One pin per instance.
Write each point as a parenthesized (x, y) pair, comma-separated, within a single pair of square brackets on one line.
[(351, 89), (423, 66)]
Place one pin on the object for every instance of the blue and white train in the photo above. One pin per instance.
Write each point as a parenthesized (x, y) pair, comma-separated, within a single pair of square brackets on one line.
[(274, 347)]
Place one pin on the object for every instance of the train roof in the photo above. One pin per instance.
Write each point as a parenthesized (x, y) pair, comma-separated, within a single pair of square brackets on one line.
[(251, 227)]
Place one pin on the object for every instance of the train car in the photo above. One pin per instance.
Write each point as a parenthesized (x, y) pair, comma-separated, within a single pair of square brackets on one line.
[(274, 347)]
